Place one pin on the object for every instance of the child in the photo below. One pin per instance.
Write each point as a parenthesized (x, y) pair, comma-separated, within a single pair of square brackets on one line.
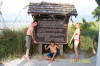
[(29, 37), (76, 37), (53, 51)]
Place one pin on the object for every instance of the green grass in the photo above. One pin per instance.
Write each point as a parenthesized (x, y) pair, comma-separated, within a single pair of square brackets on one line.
[(12, 43)]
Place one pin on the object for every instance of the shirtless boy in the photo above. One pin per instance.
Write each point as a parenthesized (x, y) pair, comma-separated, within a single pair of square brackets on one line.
[(29, 37), (53, 51)]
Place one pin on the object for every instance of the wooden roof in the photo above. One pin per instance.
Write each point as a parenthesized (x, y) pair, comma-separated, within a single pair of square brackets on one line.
[(51, 8)]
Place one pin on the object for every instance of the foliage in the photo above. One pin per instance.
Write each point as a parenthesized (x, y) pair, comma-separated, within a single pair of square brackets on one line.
[(96, 13), (11, 43), (98, 2)]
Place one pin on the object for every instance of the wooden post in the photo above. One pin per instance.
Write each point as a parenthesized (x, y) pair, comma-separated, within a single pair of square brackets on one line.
[(61, 51), (40, 49)]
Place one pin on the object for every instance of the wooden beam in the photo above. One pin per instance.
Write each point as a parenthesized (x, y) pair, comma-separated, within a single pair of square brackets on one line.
[(61, 51), (40, 49)]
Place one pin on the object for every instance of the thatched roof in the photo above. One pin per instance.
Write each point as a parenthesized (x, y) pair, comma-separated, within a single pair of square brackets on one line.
[(51, 8)]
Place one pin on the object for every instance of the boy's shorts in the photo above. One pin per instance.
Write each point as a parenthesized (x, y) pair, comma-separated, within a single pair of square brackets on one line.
[(28, 39), (51, 55)]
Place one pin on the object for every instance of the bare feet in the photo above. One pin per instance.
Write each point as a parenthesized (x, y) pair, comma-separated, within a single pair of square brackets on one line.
[(76, 59), (53, 60), (50, 61), (27, 57), (56, 60)]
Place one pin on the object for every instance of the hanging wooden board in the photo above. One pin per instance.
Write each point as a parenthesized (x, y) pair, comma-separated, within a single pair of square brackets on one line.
[(50, 29)]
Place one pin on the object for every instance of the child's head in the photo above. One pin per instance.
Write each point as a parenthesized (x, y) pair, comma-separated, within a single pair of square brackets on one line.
[(52, 43), (35, 23), (78, 25)]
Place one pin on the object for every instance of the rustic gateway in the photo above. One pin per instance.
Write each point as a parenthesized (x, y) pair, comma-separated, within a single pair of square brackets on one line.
[(53, 21)]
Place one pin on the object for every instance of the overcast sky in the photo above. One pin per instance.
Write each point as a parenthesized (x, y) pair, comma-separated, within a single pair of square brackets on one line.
[(12, 9)]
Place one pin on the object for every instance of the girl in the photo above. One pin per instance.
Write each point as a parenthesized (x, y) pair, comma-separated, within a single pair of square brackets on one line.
[(76, 37)]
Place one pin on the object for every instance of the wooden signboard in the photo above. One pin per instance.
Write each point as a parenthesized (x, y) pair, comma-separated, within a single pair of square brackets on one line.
[(51, 29)]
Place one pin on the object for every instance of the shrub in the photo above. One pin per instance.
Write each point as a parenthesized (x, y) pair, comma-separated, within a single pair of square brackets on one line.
[(12, 43)]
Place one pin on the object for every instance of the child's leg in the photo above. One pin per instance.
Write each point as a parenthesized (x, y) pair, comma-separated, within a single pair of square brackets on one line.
[(56, 60), (28, 43), (53, 57), (27, 54), (76, 49), (48, 58)]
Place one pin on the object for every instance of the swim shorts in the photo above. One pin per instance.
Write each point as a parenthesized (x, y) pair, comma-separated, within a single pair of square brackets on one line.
[(28, 39), (51, 55)]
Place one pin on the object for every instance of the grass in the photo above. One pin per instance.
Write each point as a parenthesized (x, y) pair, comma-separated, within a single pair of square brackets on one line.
[(12, 43)]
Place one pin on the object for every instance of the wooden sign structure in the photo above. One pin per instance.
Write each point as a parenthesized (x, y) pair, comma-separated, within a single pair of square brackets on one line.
[(51, 29), (53, 19)]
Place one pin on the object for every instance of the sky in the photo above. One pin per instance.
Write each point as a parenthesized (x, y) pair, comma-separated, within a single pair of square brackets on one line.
[(12, 10)]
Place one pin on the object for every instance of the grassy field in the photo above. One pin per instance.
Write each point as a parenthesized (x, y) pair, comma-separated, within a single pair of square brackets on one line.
[(12, 43)]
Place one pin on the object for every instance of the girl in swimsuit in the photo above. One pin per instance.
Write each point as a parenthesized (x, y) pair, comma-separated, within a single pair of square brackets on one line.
[(76, 38)]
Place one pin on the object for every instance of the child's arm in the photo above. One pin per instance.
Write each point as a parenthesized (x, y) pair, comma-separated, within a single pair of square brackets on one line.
[(58, 47), (46, 48), (73, 22), (72, 37)]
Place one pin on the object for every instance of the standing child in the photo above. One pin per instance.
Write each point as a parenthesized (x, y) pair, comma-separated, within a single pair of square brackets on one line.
[(76, 37), (29, 37)]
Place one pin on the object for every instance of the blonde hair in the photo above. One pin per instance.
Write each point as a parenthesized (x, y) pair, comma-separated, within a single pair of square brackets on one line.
[(79, 26)]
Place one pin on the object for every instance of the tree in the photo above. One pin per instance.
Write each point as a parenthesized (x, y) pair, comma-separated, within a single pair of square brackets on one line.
[(98, 2), (96, 12)]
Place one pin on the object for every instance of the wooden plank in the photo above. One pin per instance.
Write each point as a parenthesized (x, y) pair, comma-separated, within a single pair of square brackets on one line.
[(51, 8), (48, 30)]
